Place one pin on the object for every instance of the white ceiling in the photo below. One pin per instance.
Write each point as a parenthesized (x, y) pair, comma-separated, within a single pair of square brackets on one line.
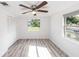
[(52, 6), (58, 6)]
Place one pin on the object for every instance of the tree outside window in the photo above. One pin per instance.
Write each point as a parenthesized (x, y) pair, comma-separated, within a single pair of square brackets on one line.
[(34, 25)]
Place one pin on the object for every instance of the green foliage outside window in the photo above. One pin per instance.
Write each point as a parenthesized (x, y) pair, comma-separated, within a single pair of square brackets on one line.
[(72, 20), (34, 25)]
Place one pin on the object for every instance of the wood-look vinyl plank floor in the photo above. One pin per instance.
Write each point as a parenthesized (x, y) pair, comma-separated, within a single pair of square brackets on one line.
[(34, 48)]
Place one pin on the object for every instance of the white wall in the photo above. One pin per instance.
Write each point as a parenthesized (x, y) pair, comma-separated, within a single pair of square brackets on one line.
[(7, 32), (69, 46), (22, 28)]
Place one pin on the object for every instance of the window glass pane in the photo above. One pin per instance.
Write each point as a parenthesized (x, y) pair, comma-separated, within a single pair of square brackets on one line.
[(72, 27), (34, 25)]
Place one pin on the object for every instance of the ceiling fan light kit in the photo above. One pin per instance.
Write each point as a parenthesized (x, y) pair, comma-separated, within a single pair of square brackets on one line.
[(33, 12)]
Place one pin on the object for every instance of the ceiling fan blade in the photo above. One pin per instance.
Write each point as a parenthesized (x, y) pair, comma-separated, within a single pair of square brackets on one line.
[(4, 3), (42, 11), (41, 5), (24, 6), (26, 12)]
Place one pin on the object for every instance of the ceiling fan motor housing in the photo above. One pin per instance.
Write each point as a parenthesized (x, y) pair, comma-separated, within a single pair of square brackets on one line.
[(33, 7)]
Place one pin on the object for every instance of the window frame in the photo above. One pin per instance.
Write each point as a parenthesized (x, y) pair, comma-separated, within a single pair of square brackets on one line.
[(65, 16)]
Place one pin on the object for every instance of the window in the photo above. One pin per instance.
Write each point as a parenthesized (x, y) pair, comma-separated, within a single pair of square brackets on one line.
[(34, 25), (71, 29)]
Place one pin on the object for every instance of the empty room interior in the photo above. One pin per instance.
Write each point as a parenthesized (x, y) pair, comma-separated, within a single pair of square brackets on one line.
[(39, 28)]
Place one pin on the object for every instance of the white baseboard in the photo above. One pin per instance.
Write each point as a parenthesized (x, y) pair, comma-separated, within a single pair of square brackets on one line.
[(12, 43), (7, 48), (3, 53)]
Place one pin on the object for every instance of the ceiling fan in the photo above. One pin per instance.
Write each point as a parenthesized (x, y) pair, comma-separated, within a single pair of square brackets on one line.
[(35, 8)]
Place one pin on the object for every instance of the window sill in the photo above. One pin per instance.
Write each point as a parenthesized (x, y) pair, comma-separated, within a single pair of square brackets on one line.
[(73, 40)]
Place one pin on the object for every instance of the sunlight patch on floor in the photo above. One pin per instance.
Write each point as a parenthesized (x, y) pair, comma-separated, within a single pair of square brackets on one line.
[(32, 51), (43, 52)]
